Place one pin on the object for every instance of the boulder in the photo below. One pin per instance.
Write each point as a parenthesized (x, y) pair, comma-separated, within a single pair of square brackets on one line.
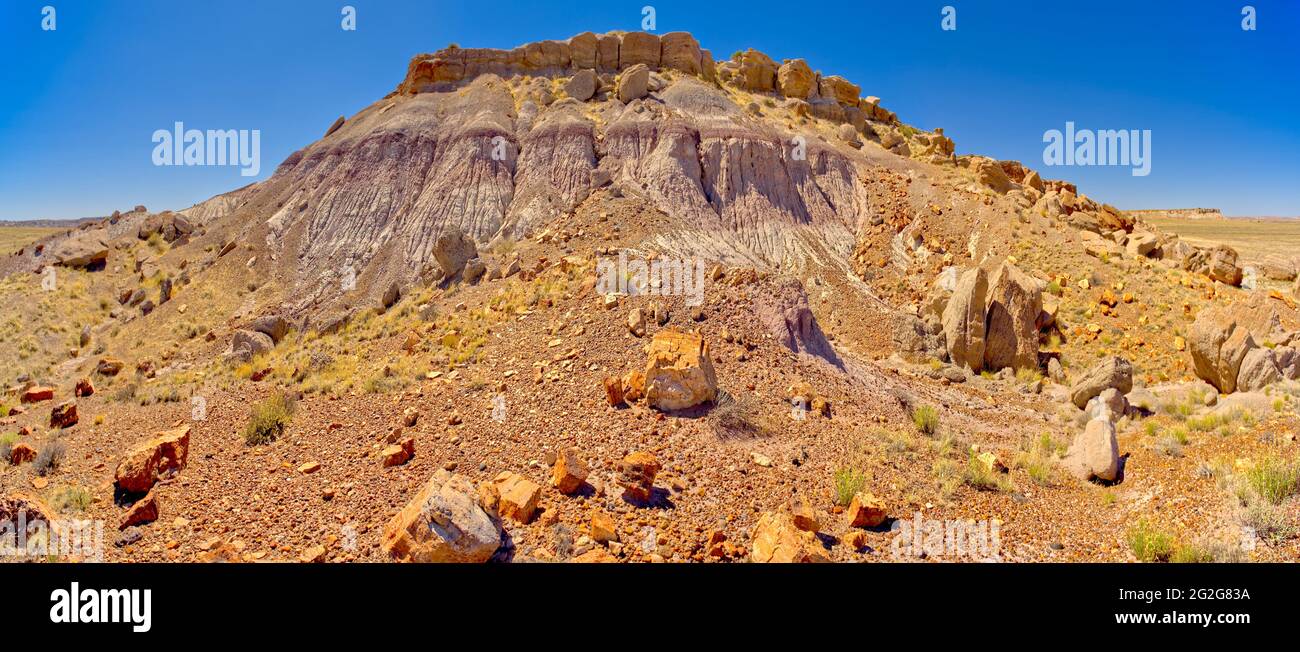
[(679, 373), (639, 48), (84, 388), (163, 455), (633, 83), (452, 250), (796, 79), (1218, 263), (1141, 244), (108, 366), (245, 344), (21, 453), (918, 340), (473, 270), (636, 322), (516, 496), (963, 320), (1218, 346), (1110, 404), (1112, 372), (1278, 268), (636, 474), (81, 250), (1258, 370), (444, 522), (839, 89), (582, 86), (757, 72), (37, 393), (1094, 454), (569, 472), (804, 514), (1032, 180), (399, 453), (141, 512), (64, 415), (988, 173), (1011, 329), (680, 51), (865, 510), (273, 326), (391, 295), (776, 539)]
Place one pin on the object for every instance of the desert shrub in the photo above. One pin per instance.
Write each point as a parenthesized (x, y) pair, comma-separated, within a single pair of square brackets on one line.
[(848, 482), (898, 441), (1038, 459), (1191, 554), (71, 498), (1149, 543), (733, 417), (49, 458), (1169, 445), (983, 478), (1269, 523), (269, 419), (926, 419), (1274, 479)]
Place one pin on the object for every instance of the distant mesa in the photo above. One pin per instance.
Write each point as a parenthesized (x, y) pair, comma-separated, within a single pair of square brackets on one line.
[(1180, 213)]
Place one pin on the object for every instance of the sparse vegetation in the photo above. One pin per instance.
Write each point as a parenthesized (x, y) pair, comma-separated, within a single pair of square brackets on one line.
[(848, 481), (1150, 544), (981, 477), (49, 458), (926, 419), (1274, 479), (269, 419), (71, 499), (1038, 459)]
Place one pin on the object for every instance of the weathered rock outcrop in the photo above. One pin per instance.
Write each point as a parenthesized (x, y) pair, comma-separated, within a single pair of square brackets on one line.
[(679, 373), (776, 539), (444, 522), (963, 320), (1218, 345), (1111, 372), (165, 454), (1015, 300), (1094, 454)]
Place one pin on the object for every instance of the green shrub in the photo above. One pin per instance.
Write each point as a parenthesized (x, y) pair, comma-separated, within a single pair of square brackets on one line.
[(269, 419), (1274, 479), (1149, 543), (69, 498), (983, 478), (848, 482), (926, 419)]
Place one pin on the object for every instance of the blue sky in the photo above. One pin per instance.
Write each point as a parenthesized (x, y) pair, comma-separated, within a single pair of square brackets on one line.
[(1223, 105)]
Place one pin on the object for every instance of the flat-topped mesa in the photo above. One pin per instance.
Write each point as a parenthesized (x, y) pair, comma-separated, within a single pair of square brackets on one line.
[(609, 53), (827, 97)]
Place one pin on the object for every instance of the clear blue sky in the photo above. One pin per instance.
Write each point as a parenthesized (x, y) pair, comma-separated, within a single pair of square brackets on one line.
[(81, 102)]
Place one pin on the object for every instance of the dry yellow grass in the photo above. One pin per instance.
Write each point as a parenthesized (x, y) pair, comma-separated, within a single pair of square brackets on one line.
[(13, 238)]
